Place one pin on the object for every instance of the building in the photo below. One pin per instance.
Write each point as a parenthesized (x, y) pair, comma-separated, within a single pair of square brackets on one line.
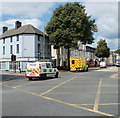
[(82, 51), (111, 60), (26, 42)]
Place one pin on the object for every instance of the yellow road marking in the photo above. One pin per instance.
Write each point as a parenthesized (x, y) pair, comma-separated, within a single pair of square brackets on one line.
[(24, 84), (18, 85), (7, 86), (87, 109), (97, 96), (114, 76), (8, 80), (109, 104), (56, 86), (99, 104), (48, 98), (116, 92)]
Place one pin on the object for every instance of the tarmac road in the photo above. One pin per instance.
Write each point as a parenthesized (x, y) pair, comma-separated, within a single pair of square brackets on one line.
[(93, 93)]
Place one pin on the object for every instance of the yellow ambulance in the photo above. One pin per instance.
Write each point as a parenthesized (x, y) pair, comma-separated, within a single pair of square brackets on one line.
[(78, 64), (40, 70)]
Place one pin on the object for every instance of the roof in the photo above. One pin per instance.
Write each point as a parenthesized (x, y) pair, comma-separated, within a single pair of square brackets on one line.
[(26, 29)]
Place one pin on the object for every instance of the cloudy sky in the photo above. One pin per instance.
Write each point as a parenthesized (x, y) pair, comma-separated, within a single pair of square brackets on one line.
[(39, 13)]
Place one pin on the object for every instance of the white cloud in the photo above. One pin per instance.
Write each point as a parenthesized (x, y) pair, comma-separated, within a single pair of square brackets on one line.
[(11, 23), (106, 15), (61, 1), (112, 44), (26, 10)]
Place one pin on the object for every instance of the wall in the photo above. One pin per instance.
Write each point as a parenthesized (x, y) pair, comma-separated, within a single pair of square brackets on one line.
[(28, 45), (7, 47)]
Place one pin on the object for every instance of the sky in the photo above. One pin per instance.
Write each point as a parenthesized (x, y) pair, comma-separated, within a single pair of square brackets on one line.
[(38, 13)]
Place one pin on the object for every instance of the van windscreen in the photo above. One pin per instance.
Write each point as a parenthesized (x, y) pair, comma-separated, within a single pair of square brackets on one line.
[(32, 65)]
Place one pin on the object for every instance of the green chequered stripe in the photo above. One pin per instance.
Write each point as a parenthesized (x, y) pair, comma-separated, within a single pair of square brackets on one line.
[(48, 70)]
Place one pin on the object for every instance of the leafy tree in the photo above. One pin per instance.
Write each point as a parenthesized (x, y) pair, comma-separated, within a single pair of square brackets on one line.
[(102, 49), (69, 24), (117, 51)]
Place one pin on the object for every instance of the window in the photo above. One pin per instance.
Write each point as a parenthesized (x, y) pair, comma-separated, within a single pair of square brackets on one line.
[(11, 39), (73, 62), (38, 37), (3, 40), (3, 50), (48, 65), (0, 65), (38, 48), (11, 49), (17, 37), (17, 48)]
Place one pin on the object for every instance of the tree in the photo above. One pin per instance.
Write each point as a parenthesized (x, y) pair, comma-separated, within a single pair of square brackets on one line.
[(117, 51), (102, 49), (69, 24)]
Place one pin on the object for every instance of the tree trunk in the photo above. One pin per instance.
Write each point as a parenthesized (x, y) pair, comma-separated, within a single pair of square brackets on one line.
[(68, 58), (58, 57)]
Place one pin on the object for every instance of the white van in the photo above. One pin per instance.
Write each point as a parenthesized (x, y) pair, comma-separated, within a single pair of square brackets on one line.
[(40, 69), (103, 64)]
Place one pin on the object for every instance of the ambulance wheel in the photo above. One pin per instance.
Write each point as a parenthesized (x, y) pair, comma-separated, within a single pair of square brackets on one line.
[(30, 78), (56, 75)]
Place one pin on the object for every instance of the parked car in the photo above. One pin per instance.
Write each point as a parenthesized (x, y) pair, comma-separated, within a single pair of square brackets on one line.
[(103, 64), (117, 64)]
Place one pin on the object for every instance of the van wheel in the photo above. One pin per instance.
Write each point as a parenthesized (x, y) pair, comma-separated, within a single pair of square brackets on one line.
[(30, 78), (87, 69), (56, 75), (43, 76)]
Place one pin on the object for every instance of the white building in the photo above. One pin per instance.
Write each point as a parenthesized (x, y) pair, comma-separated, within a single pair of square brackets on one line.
[(26, 42), (82, 51)]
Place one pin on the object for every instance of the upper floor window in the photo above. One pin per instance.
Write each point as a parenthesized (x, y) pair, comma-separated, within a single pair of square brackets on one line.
[(38, 37), (11, 39), (11, 49), (3, 50), (17, 48), (17, 37), (38, 48), (3, 40)]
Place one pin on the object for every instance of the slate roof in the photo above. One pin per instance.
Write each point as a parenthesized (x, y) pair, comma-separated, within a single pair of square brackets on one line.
[(26, 29)]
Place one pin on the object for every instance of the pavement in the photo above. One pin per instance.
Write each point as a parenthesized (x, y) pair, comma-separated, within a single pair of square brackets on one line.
[(23, 73)]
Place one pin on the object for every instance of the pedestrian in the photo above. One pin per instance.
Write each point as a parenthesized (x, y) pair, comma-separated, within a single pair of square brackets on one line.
[(20, 69)]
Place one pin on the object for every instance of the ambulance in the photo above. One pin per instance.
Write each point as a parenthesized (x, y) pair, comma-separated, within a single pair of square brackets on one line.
[(78, 64), (40, 70)]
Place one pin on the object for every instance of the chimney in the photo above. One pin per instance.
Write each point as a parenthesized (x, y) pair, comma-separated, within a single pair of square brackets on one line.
[(5, 29), (17, 24)]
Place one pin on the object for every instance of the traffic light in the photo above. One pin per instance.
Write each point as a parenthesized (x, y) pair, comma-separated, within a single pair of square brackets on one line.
[(13, 57)]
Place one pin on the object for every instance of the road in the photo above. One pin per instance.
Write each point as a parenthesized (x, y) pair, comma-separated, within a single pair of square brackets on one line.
[(92, 93)]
